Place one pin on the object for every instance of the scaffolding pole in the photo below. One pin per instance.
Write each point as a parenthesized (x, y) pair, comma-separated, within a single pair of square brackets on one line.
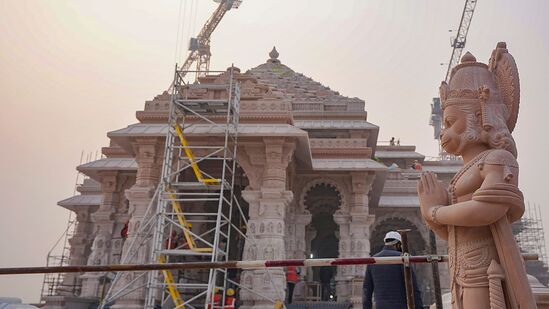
[(256, 264)]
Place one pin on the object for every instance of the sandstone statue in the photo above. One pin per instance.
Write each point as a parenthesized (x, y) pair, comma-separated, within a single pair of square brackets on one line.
[(475, 213)]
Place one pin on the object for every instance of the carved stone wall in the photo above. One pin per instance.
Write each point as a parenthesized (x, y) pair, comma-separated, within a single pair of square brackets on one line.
[(80, 248), (106, 220)]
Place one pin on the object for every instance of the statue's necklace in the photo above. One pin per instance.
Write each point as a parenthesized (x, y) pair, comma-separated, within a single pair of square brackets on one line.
[(454, 200), (452, 187)]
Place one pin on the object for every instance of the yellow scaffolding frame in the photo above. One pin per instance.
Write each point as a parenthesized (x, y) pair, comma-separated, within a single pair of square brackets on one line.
[(176, 206), (178, 210), (190, 156), (172, 287)]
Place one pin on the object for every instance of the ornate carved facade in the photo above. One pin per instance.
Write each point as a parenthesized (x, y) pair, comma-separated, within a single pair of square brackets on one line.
[(313, 179)]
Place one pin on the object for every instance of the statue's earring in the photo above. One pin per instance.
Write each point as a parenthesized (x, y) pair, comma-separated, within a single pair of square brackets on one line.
[(485, 134), (483, 96), (478, 118)]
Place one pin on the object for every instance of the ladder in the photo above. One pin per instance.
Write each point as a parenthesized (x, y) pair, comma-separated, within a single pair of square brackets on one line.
[(178, 211), (190, 157), (59, 255), (196, 192), (171, 285)]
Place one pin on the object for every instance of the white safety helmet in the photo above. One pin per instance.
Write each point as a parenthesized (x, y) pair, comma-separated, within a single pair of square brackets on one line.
[(392, 238)]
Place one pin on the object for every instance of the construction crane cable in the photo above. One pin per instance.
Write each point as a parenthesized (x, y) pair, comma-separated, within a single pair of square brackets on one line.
[(177, 39), (189, 21), (182, 36), (195, 17)]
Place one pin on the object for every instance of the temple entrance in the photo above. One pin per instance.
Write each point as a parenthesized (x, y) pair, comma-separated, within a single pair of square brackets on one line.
[(322, 235)]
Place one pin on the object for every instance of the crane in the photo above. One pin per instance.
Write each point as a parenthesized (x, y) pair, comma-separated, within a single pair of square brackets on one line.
[(458, 44), (199, 47)]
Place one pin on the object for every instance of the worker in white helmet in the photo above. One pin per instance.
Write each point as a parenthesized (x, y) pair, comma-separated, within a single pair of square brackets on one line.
[(386, 282)]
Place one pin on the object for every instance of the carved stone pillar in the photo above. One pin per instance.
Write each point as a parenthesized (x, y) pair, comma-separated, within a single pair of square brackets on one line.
[(104, 224), (80, 247), (294, 238), (289, 235), (343, 275), (149, 157), (296, 235), (301, 222), (361, 220), (266, 241), (359, 229), (268, 200), (354, 238)]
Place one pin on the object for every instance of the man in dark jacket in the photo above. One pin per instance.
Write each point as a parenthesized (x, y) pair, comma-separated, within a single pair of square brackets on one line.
[(387, 281)]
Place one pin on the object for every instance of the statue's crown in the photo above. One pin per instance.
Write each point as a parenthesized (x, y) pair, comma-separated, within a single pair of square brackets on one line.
[(495, 87)]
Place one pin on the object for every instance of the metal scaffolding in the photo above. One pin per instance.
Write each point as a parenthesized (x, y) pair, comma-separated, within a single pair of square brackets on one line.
[(530, 236), (194, 215), (59, 255)]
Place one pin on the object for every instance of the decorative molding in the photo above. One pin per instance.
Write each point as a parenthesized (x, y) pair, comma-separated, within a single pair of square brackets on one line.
[(340, 148), (338, 143), (262, 106), (114, 152)]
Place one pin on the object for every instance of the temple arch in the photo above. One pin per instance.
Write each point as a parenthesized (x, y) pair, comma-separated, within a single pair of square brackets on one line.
[(326, 181), (322, 198)]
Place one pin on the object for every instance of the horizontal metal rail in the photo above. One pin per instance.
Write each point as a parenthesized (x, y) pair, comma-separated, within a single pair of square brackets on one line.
[(258, 264)]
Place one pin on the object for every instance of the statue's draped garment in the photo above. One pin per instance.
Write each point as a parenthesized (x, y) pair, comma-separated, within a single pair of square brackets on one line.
[(476, 263)]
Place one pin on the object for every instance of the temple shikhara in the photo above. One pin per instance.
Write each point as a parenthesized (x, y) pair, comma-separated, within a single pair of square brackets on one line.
[(310, 176)]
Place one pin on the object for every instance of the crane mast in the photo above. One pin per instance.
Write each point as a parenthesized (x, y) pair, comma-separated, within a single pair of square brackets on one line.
[(458, 44), (199, 47)]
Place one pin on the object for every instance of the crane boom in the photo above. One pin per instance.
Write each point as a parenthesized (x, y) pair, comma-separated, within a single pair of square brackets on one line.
[(199, 47), (458, 44), (459, 41)]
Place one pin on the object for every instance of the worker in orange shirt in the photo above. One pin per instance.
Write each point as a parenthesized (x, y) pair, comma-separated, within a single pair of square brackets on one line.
[(216, 299), (230, 300), (291, 280)]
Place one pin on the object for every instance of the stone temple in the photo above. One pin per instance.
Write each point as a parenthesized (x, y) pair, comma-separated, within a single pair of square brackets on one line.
[(313, 176)]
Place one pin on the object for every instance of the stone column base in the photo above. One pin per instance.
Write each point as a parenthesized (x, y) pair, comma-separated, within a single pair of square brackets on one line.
[(91, 285)]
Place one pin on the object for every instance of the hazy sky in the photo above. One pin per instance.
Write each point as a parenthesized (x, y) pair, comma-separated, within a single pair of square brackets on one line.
[(73, 70)]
